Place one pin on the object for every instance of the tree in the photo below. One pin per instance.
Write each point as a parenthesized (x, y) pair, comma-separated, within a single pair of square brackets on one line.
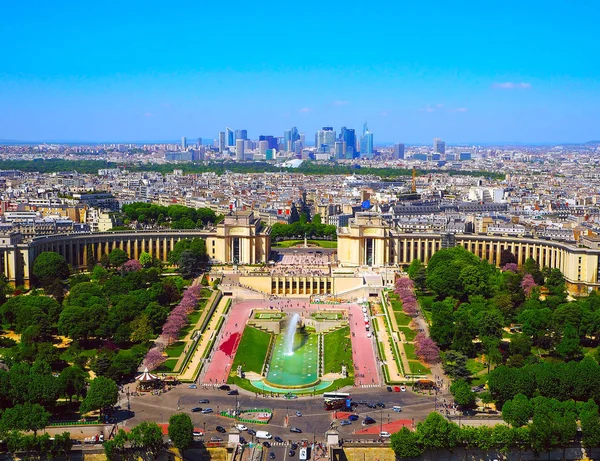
[(72, 381), (463, 395), (518, 411), (145, 259), (49, 266), (188, 264), (437, 433), (25, 417), (590, 424), (455, 365), (102, 393), (417, 273), (133, 265), (148, 436), (180, 431), (569, 347), (507, 257), (405, 444), (117, 257)]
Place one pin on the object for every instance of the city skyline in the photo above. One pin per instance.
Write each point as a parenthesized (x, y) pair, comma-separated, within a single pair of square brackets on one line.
[(480, 74)]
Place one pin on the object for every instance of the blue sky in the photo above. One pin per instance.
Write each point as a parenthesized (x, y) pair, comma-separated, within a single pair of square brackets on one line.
[(466, 71)]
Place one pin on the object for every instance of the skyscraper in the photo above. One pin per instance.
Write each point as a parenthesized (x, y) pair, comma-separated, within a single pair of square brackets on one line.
[(270, 139), (349, 137), (325, 139), (262, 147), (399, 151), (183, 143), (229, 137), (221, 141), (239, 150), (439, 146), (339, 149), (241, 134), (366, 142), (199, 143)]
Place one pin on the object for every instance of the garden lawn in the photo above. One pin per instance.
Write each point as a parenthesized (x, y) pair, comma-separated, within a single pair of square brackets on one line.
[(338, 350), (475, 366), (402, 319), (417, 367), (167, 366), (252, 350), (409, 350), (319, 243), (175, 349), (408, 333)]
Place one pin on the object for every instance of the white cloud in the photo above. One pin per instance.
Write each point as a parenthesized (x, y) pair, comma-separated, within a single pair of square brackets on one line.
[(459, 109), (427, 108), (305, 109), (341, 103), (511, 85)]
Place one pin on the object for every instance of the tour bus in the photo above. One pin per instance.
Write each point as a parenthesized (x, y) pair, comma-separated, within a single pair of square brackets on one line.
[(337, 401)]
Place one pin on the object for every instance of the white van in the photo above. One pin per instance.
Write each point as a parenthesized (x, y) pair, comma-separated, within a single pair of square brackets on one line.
[(397, 408), (263, 435), (384, 434)]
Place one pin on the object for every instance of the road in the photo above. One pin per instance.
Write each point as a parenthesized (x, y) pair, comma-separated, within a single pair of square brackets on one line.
[(314, 420)]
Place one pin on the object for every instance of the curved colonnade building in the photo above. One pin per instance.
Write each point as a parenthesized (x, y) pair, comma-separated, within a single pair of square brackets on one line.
[(367, 244)]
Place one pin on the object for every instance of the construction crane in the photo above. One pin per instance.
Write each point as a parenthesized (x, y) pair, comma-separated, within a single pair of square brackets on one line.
[(414, 180)]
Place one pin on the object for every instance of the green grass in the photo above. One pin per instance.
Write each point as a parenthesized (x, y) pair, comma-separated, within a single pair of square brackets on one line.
[(326, 316), (268, 315), (426, 302), (252, 350), (194, 317), (338, 350), (167, 367), (205, 292), (408, 333), (402, 319), (417, 367), (475, 366), (319, 243), (175, 349), (409, 350)]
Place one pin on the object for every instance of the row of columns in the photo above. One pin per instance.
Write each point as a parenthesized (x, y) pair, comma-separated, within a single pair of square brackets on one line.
[(304, 285)]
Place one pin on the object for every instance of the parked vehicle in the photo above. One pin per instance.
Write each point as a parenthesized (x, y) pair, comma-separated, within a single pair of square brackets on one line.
[(193, 386), (203, 401), (384, 434), (278, 439), (263, 435), (196, 409), (345, 422), (206, 411), (221, 429), (271, 455), (291, 453), (241, 427), (297, 430), (397, 408), (224, 387)]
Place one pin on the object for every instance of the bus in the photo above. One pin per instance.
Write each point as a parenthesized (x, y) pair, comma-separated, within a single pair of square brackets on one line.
[(337, 401)]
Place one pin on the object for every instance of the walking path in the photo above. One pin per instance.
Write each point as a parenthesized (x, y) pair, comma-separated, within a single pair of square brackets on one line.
[(382, 336), (188, 337), (189, 374)]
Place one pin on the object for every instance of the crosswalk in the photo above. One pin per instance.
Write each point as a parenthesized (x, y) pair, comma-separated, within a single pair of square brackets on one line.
[(365, 386)]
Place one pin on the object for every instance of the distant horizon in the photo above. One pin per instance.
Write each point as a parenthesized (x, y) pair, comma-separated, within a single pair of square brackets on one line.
[(191, 143)]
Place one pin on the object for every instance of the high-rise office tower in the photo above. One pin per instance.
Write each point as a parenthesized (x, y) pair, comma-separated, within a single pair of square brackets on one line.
[(366, 142), (262, 147), (229, 137), (325, 139), (349, 137), (339, 149), (239, 150), (298, 147), (241, 134), (183, 143), (399, 151), (270, 139), (439, 146), (199, 143), (303, 139), (221, 141)]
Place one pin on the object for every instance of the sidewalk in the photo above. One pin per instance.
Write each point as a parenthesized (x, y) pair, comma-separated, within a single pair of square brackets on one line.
[(189, 374)]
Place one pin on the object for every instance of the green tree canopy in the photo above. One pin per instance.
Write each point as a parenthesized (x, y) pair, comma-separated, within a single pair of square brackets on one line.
[(49, 266), (102, 393), (180, 431)]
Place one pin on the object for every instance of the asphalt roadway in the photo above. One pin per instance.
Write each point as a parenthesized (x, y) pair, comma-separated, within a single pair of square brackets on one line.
[(314, 422)]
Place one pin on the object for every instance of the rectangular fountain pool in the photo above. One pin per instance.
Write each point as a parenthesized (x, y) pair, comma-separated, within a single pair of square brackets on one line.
[(300, 368)]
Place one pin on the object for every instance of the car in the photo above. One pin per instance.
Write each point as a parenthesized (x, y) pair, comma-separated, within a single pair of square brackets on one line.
[(193, 386), (353, 404), (380, 405), (242, 440), (396, 388), (345, 422), (233, 392), (196, 409), (252, 432), (297, 430), (197, 433), (266, 444), (290, 396), (204, 401), (271, 455), (362, 402), (368, 420), (389, 389), (291, 453), (397, 408), (298, 413), (369, 335), (384, 434), (207, 411), (371, 405), (224, 387), (221, 429), (403, 388), (294, 446), (353, 417), (278, 439), (241, 427), (216, 439)]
